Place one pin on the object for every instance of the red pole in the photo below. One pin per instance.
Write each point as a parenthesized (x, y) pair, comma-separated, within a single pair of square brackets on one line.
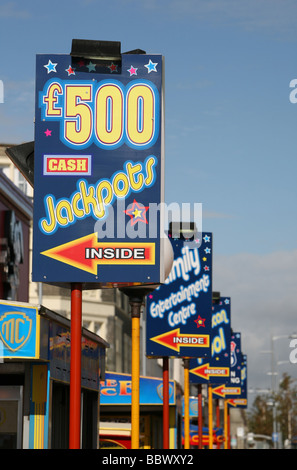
[(165, 403), (200, 425), (218, 418), (75, 366), (229, 437)]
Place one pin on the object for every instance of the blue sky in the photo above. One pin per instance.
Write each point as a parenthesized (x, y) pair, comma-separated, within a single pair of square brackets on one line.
[(230, 140)]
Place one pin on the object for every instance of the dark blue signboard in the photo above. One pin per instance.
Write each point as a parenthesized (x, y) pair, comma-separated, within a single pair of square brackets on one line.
[(232, 386), (179, 311), (98, 170), (236, 360), (241, 400), (216, 368)]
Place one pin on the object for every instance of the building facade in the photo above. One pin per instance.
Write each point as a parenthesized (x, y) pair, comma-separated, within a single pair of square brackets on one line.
[(105, 311)]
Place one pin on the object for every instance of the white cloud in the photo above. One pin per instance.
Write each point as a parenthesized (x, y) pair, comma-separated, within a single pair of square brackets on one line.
[(13, 10), (263, 304)]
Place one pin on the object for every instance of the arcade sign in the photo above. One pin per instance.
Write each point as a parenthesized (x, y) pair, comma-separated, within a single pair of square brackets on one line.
[(178, 312), (98, 171), (216, 368)]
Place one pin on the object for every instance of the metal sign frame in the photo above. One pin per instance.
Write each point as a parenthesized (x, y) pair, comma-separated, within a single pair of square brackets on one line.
[(98, 171)]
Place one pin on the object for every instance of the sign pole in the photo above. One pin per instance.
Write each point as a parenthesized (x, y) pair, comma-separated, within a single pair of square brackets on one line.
[(186, 404), (210, 418), (136, 297), (225, 424), (200, 416), (218, 417), (165, 403), (75, 366), (228, 421), (135, 310)]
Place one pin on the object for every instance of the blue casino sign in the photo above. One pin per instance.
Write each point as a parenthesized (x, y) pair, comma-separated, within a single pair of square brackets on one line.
[(232, 386), (98, 169), (216, 368), (179, 311)]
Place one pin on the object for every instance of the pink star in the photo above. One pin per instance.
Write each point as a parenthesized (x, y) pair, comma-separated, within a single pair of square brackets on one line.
[(48, 132), (132, 70)]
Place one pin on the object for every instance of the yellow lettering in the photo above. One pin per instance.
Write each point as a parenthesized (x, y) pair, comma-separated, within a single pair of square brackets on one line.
[(8, 330), (62, 165), (66, 207), (52, 164), (136, 183), (81, 165), (51, 224), (104, 187), (140, 114), (109, 105), (149, 171), (77, 212), (88, 199), (78, 130), (71, 165), (17, 330), (115, 184), (51, 99)]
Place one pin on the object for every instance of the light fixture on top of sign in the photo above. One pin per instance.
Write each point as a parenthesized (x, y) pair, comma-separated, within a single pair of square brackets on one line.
[(183, 230), (99, 50)]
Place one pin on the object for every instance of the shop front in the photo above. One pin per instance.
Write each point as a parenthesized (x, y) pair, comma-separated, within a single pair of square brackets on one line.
[(115, 412), (35, 379)]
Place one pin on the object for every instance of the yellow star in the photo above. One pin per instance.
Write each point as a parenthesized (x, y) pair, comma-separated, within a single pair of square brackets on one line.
[(137, 213)]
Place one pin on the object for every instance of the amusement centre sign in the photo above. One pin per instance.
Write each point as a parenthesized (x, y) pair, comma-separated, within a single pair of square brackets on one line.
[(179, 311)]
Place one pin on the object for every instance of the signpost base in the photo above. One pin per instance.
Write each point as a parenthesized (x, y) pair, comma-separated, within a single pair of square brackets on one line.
[(165, 403), (75, 366)]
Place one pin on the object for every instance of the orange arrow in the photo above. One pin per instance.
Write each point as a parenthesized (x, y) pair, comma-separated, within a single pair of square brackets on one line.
[(237, 401), (223, 390), (86, 253), (174, 340), (205, 371)]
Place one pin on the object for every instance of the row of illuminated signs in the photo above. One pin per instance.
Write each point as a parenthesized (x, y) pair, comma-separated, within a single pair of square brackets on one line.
[(183, 321)]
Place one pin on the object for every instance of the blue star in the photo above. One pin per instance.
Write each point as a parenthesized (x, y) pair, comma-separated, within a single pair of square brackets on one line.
[(91, 67), (151, 67), (207, 250), (206, 238), (226, 301), (50, 67)]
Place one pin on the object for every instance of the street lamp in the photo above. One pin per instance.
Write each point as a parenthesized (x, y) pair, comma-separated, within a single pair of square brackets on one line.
[(273, 374)]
